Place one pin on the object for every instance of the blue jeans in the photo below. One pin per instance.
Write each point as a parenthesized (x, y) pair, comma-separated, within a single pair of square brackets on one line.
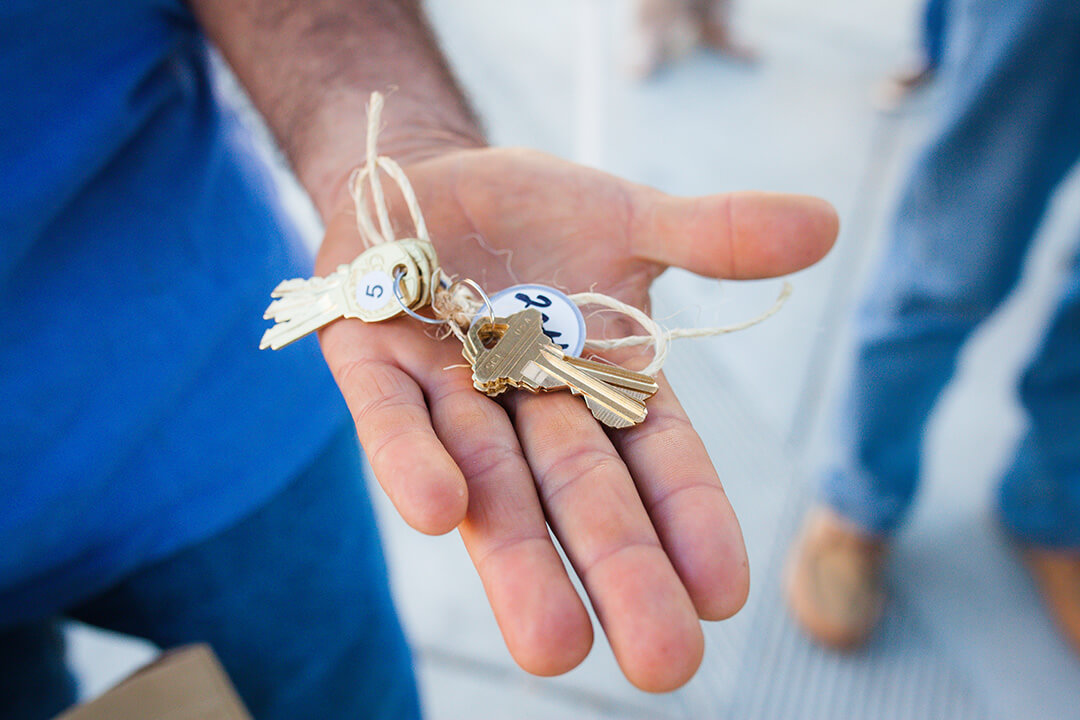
[(294, 600), (1009, 134), (934, 20)]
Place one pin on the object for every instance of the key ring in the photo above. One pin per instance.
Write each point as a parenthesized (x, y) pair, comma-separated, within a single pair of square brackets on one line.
[(449, 288), (480, 291), (400, 273)]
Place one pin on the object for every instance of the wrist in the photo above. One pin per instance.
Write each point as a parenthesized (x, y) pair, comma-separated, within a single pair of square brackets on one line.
[(324, 170)]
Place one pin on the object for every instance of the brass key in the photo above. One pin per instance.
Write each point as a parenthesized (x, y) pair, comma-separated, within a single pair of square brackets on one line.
[(524, 357), (474, 346), (362, 289), (636, 385)]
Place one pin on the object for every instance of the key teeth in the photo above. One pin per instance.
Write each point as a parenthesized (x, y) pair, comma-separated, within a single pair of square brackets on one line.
[(491, 391), (636, 394), (269, 341), (286, 286), (612, 419)]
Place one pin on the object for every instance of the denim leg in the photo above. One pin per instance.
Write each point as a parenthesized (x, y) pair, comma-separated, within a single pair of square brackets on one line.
[(1040, 495), (935, 14), (294, 600), (35, 683), (964, 222)]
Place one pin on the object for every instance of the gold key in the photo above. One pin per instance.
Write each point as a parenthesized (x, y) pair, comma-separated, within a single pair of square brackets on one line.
[(474, 345), (634, 384), (484, 333), (637, 385), (522, 356), (363, 289), (423, 255)]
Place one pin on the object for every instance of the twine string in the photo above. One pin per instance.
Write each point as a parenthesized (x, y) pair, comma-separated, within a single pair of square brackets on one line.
[(367, 176), (656, 334)]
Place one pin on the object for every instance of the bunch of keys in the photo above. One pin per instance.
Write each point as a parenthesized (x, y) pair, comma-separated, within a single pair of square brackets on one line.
[(376, 286), (515, 352), (397, 277)]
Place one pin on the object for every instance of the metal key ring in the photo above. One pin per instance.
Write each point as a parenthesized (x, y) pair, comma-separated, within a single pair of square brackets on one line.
[(401, 300), (479, 291)]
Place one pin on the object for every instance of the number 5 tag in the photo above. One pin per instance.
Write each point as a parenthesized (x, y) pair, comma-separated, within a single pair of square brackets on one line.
[(374, 290)]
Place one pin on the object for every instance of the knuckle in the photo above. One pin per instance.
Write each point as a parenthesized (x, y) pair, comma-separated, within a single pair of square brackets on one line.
[(510, 544), (557, 415), (383, 402), (577, 466), (490, 459), (384, 408), (591, 565), (660, 433), (466, 409), (352, 372), (384, 441), (660, 503)]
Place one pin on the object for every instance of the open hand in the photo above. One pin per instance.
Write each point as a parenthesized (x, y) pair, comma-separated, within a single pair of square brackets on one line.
[(640, 512)]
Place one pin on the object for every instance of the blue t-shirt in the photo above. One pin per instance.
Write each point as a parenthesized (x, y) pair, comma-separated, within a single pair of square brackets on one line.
[(139, 240)]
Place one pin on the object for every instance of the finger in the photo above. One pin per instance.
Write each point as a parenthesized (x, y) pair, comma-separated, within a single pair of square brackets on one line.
[(740, 235), (411, 465), (542, 619), (686, 502), (594, 509)]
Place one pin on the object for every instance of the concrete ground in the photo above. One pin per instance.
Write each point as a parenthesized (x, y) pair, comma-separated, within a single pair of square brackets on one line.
[(964, 636)]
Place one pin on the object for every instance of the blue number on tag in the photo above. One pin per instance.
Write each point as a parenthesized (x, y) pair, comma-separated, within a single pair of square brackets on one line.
[(541, 301)]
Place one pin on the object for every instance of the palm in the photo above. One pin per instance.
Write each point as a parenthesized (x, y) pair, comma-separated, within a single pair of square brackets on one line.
[(640, 512), (560, 223)]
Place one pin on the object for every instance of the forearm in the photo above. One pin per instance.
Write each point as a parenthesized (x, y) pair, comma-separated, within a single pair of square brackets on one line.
[(310, 65)]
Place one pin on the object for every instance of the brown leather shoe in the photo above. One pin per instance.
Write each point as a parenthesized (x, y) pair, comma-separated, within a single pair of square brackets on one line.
[(833, 580), (1057, 575)]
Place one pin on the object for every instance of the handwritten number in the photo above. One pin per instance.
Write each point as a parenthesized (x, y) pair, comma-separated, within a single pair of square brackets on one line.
[(539, 301), (374, 291), (552, 334)]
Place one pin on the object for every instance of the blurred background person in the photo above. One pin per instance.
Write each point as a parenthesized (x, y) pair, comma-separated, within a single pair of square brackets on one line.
[(1010, 133), (921, 71), (664, 30)]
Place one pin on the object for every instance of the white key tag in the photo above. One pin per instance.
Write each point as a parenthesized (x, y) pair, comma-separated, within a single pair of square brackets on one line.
[(375, 290), (563, 321)]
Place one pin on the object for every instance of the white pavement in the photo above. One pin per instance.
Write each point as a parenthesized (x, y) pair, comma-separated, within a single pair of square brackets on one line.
[(965, 636)]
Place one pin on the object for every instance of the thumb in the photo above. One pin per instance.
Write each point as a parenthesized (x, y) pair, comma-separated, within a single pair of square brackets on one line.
[(741, 235)]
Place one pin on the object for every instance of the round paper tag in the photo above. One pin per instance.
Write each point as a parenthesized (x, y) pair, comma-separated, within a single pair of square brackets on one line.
[(563, 321), (375, 290)]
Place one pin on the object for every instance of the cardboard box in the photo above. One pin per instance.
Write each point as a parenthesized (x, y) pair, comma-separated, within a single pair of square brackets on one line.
[(187, 683)]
